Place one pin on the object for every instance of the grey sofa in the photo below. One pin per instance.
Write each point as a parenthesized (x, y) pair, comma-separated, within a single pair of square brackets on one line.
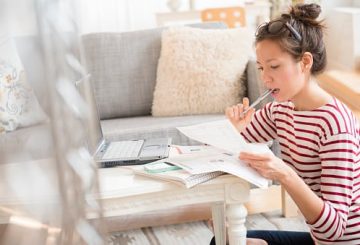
[(123, 73)]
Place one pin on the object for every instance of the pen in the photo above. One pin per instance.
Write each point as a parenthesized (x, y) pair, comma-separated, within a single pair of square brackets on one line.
[(257, 101), (169, 163)]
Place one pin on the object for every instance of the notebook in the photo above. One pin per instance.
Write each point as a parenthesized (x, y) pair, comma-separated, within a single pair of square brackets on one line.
[(178, 176), (118, 153)]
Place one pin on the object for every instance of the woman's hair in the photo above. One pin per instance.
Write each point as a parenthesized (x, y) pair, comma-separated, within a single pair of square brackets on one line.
[(302, 21)]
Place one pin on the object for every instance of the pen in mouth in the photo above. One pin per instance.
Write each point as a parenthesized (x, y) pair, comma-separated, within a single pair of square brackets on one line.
[(258, 100)]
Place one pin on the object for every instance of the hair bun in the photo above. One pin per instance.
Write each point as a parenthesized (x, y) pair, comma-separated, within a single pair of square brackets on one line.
[(305, 11)]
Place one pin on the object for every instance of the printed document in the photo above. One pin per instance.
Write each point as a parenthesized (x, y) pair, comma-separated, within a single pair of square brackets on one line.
[(222, 135), (198, 163)]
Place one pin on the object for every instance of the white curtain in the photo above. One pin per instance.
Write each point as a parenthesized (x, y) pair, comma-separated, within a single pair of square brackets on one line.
[(118, 15), (103, 16)]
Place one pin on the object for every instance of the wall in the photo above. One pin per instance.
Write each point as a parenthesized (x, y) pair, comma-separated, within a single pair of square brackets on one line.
[(129, 15), (117, 15), (17, 17), (342, 44)]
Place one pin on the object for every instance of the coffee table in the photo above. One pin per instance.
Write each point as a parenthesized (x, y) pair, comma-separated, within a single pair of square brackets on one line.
[(124, 193)]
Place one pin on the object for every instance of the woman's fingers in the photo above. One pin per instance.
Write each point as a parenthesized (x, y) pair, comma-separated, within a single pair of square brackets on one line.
[(234, 112), (257, 165), (245, 102), (229, 112), (249, 114), (239, 111), (254, 156)]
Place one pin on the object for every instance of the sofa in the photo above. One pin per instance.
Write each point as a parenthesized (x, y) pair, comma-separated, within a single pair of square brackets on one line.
[(127, 63), (122, 62)]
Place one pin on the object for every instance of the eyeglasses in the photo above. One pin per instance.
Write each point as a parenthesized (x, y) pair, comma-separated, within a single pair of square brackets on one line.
[(276, 26)]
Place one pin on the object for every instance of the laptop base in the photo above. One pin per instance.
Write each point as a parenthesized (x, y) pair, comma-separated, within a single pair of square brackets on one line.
[(123, 163)]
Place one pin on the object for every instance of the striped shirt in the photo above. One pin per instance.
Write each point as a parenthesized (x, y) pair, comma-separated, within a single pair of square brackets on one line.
[(322, 146)]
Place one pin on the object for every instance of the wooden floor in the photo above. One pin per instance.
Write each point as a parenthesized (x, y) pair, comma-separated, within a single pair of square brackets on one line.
[(180, 234), (199, 232), (275, 221)]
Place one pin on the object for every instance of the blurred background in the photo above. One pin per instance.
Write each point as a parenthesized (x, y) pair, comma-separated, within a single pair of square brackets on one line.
[(126, 15), (47, 175)]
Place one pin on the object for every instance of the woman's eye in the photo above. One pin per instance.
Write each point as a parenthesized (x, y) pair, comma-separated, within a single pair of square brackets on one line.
[(260, 68), (274, 67)]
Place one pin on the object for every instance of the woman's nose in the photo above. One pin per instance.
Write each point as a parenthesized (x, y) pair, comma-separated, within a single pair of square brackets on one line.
[(265, 77)]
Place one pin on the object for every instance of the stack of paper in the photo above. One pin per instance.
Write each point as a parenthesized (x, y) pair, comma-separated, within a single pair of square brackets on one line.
[(222, 135)]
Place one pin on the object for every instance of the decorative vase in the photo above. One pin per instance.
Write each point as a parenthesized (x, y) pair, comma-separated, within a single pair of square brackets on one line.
[(174, 5)]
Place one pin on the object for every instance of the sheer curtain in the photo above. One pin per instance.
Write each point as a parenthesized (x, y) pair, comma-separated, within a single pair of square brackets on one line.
[(105, 15), (118, 15)]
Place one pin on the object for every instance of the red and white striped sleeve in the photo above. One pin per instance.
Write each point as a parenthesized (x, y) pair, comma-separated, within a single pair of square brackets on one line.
[(262, 127), (339, 156)]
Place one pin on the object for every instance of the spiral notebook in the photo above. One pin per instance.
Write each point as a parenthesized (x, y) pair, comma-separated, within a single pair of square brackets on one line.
[(178, 176)]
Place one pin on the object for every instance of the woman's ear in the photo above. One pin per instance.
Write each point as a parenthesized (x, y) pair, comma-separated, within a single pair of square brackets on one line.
[(307, 61)]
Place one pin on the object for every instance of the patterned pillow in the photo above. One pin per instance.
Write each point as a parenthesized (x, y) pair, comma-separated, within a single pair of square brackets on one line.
[(18, 104), (200, 71)]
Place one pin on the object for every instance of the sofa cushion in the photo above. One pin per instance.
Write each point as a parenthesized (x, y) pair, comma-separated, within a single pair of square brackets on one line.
[(30, 52), (19, 106), (34, 142), (200, 71), (123, 69), (150, 127)]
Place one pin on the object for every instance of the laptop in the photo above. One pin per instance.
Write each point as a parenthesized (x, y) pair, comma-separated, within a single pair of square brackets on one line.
[(118, 153)]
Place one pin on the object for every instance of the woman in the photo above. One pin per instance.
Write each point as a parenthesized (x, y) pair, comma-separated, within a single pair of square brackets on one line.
[(319, 136)]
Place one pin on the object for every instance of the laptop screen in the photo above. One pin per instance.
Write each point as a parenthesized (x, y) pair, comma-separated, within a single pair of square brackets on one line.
[(94, 132)]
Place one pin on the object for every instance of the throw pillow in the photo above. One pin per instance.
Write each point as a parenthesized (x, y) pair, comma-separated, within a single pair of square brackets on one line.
[(18, 104), (200, 70)]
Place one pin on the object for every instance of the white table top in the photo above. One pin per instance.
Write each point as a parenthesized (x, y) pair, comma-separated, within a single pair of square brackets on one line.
[(36, 181), (121, 182)]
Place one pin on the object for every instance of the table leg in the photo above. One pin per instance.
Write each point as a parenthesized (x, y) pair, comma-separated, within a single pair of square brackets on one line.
[(218, 215), (236, 216)]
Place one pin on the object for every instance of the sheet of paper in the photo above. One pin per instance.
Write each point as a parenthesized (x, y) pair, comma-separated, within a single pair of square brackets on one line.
[(223, 135), (190, 149), (229, 163)]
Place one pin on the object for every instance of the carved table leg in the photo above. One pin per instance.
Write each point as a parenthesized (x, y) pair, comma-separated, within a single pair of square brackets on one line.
[(218, 215), (236, 215)]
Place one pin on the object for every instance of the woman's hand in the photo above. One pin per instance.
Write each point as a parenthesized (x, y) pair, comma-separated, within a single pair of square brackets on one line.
[(267, 165), (236, 117)]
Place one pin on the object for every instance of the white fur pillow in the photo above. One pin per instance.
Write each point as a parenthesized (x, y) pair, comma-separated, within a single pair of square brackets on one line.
[(200, 70)]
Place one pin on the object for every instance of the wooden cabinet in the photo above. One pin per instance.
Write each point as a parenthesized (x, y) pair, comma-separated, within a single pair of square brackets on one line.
[(344, 85), (256, 13)]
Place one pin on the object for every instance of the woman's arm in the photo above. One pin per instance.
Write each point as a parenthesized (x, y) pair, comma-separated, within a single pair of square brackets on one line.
[(274, 168), (310, 205), (327, 214)]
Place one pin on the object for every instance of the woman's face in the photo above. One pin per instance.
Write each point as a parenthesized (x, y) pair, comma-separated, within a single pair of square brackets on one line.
[(279, 70)]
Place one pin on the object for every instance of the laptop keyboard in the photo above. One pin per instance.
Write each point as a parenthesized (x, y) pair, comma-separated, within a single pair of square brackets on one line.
[(123, 149)]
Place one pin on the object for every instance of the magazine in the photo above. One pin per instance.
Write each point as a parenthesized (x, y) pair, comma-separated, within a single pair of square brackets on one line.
[(177, 176)]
